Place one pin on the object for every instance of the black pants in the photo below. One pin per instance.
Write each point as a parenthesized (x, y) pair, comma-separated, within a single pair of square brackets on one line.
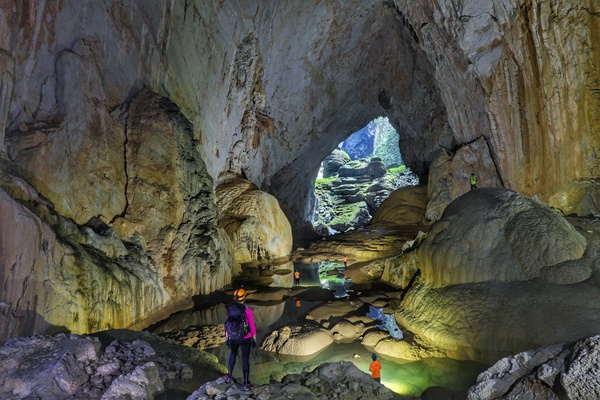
[(297, 281), (245, 345)]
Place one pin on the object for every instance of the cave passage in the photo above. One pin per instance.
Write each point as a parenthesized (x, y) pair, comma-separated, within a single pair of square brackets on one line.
[(357, 176)]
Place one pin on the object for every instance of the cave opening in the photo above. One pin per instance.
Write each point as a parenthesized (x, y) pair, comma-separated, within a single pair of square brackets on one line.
[(357, 176)]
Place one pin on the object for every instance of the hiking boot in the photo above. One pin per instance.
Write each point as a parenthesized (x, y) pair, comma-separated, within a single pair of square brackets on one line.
[(247, 386), (227, 378)]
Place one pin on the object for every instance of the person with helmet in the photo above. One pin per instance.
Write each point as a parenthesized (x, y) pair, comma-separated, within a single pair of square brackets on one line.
[(297, 278), (245, 341), (473, 181), (375, 369)]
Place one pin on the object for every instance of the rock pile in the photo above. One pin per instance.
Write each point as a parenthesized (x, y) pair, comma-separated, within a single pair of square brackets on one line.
[(73, 367)]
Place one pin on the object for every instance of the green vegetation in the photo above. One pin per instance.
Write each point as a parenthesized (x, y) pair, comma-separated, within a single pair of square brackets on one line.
[(324, 183), (346, 213), (397, 170)]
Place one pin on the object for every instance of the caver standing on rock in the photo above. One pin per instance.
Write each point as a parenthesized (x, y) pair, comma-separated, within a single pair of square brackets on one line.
[(297, 278), (473, 181), (375, 368), (240, 331)]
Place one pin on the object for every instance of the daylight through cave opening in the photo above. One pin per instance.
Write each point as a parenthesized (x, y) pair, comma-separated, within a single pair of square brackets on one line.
[(358, 175)]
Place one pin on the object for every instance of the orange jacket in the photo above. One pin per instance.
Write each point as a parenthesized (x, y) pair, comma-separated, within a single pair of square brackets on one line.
[(297, 275), (375, 369)]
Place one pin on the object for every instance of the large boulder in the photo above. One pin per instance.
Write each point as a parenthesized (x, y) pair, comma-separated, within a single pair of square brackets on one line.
[(489, 292), (333, 162), (297, 340), (496, 234), (404, 206), (568, 371)]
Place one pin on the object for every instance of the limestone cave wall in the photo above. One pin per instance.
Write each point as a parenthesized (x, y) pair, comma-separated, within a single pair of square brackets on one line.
[(125, 115), (523, 74)]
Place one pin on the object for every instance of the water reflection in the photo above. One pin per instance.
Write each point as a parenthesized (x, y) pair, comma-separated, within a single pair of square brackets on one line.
[(404, 377), (332, 277)]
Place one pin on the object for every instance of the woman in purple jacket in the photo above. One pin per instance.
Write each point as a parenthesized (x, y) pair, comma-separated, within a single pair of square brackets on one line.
[(248, 341)]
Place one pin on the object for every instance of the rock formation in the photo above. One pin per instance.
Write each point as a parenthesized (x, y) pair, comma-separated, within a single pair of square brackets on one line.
[(496, 235), (560, 371), (98, 101), (516, 273), (255, 224), (579, 197), (353, 191), (112, 268), (449, 175), (71, 366)]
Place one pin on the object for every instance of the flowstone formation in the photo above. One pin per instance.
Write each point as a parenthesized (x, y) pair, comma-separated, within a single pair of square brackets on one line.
[(116, 266), (254, 222), (499, 274)]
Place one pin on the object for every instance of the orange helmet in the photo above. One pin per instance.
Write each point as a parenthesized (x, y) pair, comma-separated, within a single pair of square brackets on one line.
[(239, 295)]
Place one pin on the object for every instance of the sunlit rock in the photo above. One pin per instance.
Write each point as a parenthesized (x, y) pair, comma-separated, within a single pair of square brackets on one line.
[(449, 175), (253, 220), (496, 234), (333, 162), (297, 340), (581, 197), (405, 206)]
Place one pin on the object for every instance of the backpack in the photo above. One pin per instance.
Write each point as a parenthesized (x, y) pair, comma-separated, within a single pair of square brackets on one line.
[(235, 323)]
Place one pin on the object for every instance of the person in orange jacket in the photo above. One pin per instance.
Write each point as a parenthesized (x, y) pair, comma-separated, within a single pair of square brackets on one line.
[(297, 278), (375, 369)]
